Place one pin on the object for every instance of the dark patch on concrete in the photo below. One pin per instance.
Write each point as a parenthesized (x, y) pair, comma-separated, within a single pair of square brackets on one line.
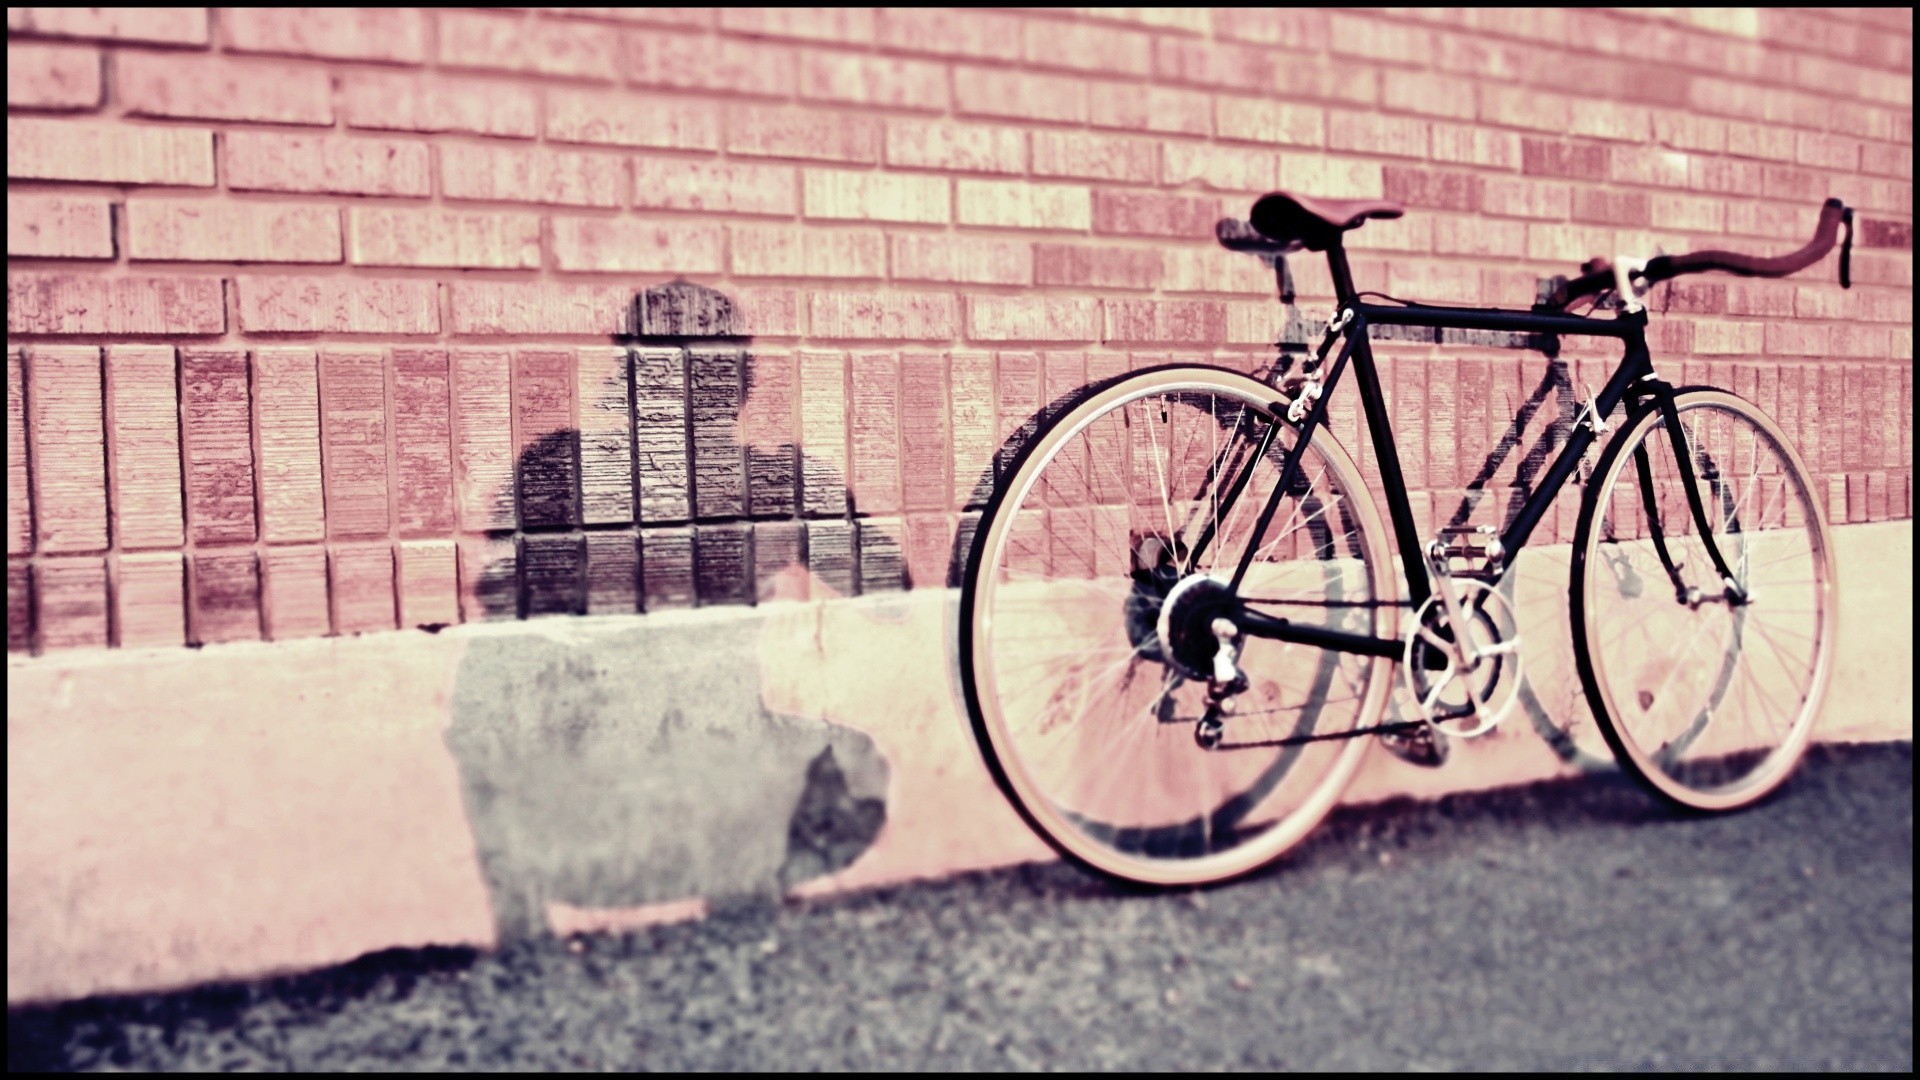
[(831, 826), (616, 764)]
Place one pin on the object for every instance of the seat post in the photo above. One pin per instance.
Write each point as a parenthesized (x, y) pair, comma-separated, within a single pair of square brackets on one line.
[(1342, 275)]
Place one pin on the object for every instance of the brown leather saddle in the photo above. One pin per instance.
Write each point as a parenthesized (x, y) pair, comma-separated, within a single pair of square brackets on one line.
[(1315, 224)]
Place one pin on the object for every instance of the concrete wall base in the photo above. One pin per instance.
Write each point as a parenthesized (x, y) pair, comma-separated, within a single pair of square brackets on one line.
[(178, 816)]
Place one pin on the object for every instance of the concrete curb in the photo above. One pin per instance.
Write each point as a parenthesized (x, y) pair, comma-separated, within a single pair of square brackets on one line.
[(177, 816)]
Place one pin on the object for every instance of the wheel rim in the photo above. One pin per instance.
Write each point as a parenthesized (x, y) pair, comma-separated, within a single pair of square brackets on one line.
[(1710, 702), (1089, 720)]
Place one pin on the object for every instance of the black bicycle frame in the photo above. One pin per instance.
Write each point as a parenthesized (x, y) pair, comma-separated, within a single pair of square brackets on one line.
[(1634, 377)]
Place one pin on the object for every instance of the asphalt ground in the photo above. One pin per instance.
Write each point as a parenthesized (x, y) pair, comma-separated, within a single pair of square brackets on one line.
[(1573, 925)]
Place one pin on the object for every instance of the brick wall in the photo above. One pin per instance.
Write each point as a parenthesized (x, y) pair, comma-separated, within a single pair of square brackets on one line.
[(329, 321)]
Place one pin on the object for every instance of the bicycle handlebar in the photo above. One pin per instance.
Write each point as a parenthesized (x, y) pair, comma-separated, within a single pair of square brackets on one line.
[(1598, 275)]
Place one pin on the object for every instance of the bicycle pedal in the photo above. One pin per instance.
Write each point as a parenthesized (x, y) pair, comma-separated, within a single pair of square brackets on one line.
[(1422, 746)]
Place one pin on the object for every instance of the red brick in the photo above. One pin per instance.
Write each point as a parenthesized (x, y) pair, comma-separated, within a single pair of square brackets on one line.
[(1759, 141), (869, 196), (503, 42), (925, 434), (429, 583), (1717, 337), (159, 26), (1483, 57), (52, 76), (1561, 243), (874, 403), (1153, 214), (66, 304), (883, 316), (1366, 133), (547, 479), (1549, 157), (1343, 82), (1031, 318), (1134, 107), (788, 251), (1220, 168), (422, 439), (660, 434), (532, 175), (974, 437), (613, 573), (772, 131), (287, 402), (1095, 157), (1796, 339), (1264, 120), (150, 604), (197, 230), (604, 393), (1525, 107), (71, 595), (698, 62), (392, 35), (1446, 283), (19, 606), (621, 245), (1779, 182), (1096, 266), (1479, 236), (1213, 271), (1427, 93), (483, 438), (1612, 207), (336, 305), (489, 578), (1338, 178), (975, 260), (622, 119), (294, 594), (395, 102), (1295, 28), (881, 81), (721, 187), (108, 153), (949, 32), (363, 593), (1526, 198), (1377, 39), (1883, 159), (19, 500), (197, 87), (661, 16), (1691, 296), (66, 439), (1476, 146), (767, 427), (941, 144), (436, 237), (1685, 131), (217, 445), (769, 311), (811, 24), (1417, 186), (714, 401), (1018, 205), (272, 161), (143, 399), (982, 91), (1724, 176), (823, 432), (1209, 63), (1181, 322), (1083, 47), (1870, 342), (1827, 151), (353, 435), (526, 307), (59, 226)]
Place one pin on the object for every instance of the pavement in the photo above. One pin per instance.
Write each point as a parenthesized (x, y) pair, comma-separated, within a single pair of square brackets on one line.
[(1575, 924)]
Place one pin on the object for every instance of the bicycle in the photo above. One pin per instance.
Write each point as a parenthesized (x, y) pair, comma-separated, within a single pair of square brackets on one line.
[(1179, 615)]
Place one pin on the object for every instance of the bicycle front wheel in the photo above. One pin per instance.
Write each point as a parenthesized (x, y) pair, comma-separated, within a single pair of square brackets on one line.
[(1088, 616), (1706, 693)]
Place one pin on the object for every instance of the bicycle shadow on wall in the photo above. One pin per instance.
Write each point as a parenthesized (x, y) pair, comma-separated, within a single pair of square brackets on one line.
[(1538, 421), (601, 770)]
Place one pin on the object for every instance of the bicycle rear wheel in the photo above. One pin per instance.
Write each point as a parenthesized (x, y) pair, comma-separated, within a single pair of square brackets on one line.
[(1086, 629), (1706, 694)]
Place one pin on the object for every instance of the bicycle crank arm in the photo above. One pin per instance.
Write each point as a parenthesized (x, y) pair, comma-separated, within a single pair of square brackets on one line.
[(1268, 626)]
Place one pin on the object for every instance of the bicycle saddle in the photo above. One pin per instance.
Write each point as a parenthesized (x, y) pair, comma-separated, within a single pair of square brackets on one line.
[(1315, 223)]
